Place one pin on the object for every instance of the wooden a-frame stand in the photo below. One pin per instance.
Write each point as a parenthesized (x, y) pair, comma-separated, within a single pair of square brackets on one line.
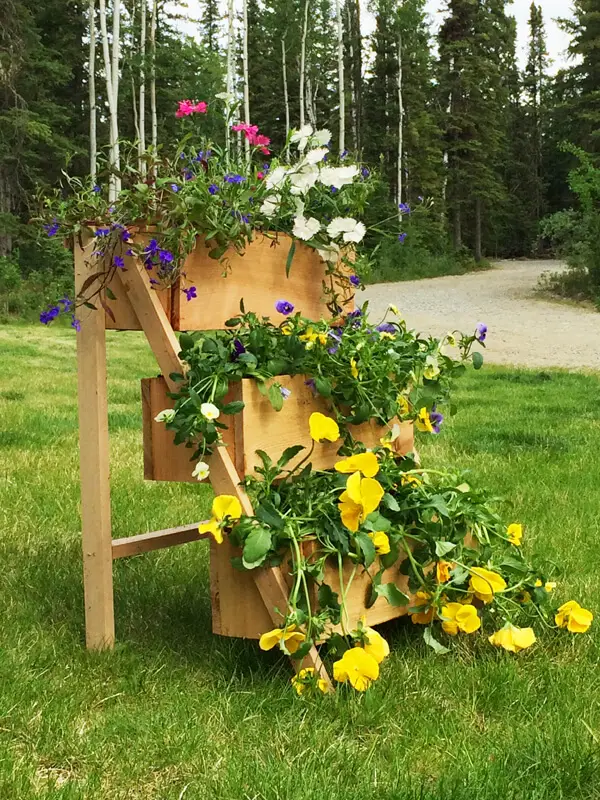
[(99, 548)]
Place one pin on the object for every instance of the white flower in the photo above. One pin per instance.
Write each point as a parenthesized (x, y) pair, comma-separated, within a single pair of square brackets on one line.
[(270, 206), (352, 230), (330, 253), (302, 136), (276, 178), (224, 96), (168, 415), (201, 471), (299, 205), (338, 176), (314, 156), (304, 228), (304, 179), (321, 137), (209, 411)]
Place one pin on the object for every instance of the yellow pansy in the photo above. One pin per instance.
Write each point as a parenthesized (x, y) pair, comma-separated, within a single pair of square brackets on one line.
[(289, 636), (353, 368), (411, 480), (573, 617), (305, 679), (386, 335), (394, 309), (515, 533), (366, 463), (287, 329), (381, 541), (451, 339), (460, 617), (423, 422), (375, 645), (485, 584), (422, 617), (323, 428), (512, 638), (224, 507), (442, 571), (432, 369), (358, 667), (361, 498), (550, 586), (403, 405)]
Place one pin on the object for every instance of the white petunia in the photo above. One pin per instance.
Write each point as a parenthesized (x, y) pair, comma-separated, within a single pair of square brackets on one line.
[(348, 228), (330, 253), (303, 180), (305, 229), (270, 206), (276, 178), (209, 411), (302, 136), (314, 156), (201, 471), (168, 415), (338, 176), (321, 137)]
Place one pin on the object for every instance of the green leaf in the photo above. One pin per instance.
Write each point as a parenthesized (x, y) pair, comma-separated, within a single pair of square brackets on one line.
[(392, 594), (186, 342), (328, 598), (441, 548), (323, 387), (90, 306), (234, 407), (256, 547), (438, 502), (233, 322), (376, 522), (275, 397), (390, 502), (262, 388), (514, 564), (288, 454), (365, 544), (290, 258), (267, 513), (110, 294), (477, 360), (433, 642), (176, 376)]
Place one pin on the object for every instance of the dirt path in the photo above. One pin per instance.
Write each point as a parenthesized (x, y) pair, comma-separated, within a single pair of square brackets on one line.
[(523, 328)]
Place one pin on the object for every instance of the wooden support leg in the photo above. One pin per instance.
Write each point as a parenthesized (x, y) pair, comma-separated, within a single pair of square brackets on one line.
[(94, 468)]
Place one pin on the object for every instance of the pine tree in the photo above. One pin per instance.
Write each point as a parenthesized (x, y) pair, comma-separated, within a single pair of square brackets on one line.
[(535, 82), (585, 46), (210, 25)]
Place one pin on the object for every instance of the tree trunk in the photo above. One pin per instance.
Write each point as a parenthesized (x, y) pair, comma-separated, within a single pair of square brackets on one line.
[(457, 228), (246, 78), (109, 66), (478, 251), (142, 101), (400, 125), (286, 97), (353, 98), (341, 87), (303, 62), (92, 89), (154, 118), (229, 80)]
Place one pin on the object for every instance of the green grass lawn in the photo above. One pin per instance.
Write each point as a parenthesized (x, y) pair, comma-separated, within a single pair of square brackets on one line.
[(175, 712)]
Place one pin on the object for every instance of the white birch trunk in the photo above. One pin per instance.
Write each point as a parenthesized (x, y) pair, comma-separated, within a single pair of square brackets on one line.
[(109, 66), (92, 89), (229, 83), (400, 123), (142, 101), (303, 62), (446, 156), (286, 98), (246, 76), (354, 108), (154, 118), (341, 88)]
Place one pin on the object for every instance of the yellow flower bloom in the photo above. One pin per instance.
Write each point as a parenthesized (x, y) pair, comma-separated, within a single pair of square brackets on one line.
[(442, 571), (386, 335), (289, 636), (423, 422), (460, 617), (394, 309), (305, 680), (573, 617), (358, 667), (224, 507), (323, 428), (422, 617), (353, 368), (309, 336), (550, 586), (515, 533), (485, 584), (376, 645), (512, 638), (362, 496), (381, 541), (403, 405), (411, 480), (366, 463), (287, 329), (432, 369), (451, 339)]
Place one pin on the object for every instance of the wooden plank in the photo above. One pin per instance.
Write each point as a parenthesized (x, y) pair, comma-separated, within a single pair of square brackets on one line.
[(94, 466), (156, 540), (125, 317)]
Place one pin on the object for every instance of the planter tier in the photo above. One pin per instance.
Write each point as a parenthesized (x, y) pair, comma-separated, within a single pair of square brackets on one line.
[(257, 427), (258, 278)]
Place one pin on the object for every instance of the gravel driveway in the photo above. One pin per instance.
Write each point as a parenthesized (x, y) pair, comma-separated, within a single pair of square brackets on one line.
[(524, 329)]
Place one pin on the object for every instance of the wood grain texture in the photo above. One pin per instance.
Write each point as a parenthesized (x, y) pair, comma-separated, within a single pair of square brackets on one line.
[(125, 317), (156, 540)]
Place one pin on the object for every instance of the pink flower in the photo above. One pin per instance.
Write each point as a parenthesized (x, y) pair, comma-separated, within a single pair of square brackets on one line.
[(260, 175), (249, 130), (255, 138), (186, 107)]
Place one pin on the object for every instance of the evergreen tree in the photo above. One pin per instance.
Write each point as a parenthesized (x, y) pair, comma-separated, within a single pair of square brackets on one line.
[(210, 25)]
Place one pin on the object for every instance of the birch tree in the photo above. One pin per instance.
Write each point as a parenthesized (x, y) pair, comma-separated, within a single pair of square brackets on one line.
[(111, 69), (400, 124), (286, 97), (303, 62), (341, 88), (230, 69), (154, 121), (92, 89), (245, 70), (142, 100)]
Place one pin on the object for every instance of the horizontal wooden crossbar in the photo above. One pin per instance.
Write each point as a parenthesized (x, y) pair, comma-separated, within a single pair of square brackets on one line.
[(156, 540)]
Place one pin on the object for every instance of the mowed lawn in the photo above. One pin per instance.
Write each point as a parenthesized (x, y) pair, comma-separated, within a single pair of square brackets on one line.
[(175, 712)]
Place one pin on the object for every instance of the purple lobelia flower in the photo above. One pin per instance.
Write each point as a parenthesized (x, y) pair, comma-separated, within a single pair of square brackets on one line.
[(190, 294), (354, 280), (66, 303), (52, 229), (436, 420), (152, 247), (213, 188), (333, 350), (102, 232), (165, 256), (355, 314), (118, 262), (284, 307), (49, 314), (386, 327), (365, 172), (285, 393), (174, 188), (404, 208), (311, 385), (234, 178), (402, 237), (75, 323), (96, 189), (481, 332)]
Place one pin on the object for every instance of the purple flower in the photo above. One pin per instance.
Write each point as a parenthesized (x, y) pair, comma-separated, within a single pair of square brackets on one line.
[(238, 349), (96, 189), (118, 262), (213, 188), (66, 303), (165, 256), (355, 314), (333, 350), (148, 263), (337, 337), (49, 314), (154, 282), (102, 232), (187, 174), (311, 385), (386, 327), (404, 208), (129, 252), (354, 280), (266, 167), (190, 294), (481, 332), (284, 307), (344, 154), (174, 187), (152, 247), (126, 236), (285, 393), (52, 230), (234, 178), (365, 172), (333, 189), (436, 420), (75, 323), (402, 237)]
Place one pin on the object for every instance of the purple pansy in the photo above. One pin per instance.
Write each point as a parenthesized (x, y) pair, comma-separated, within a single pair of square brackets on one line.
[(436, 420), (481, 332), (191, 293), (284, 307), (386, 327)]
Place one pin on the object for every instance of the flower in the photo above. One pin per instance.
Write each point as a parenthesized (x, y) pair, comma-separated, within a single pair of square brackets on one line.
[(404, 208), (432, 368), (358, 667), (209, 411), (201, 471), (366, 463), (321, 137), (403, 405), (460, 617), (225, 507), (96, 189), (411, 480), (348, 228), (381, 541), (187, 107), (168, 415), (285, 393), (402, 237), (550, 586), (303, 179), (276, 178), (52, 229), (284, 307), (234, 178), (330, 253), (301, 137), (375, 645), (423, 422), (573, 617), (361, 498), (213, 189), (515, 533), (481, 332), (270, 206), (190, 294), (287, 638), (75, 323), (436, 420), (354, 280), (442, 571), (512, 638), (337, 177), (422, 617), (485, 584), (353, 368), (165, 256), (323, 428), (305, 228), (314, 156), (305, 679), (260, 176)]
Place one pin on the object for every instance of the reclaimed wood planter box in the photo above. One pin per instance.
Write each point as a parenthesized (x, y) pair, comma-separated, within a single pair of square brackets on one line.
[(258, 278)]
